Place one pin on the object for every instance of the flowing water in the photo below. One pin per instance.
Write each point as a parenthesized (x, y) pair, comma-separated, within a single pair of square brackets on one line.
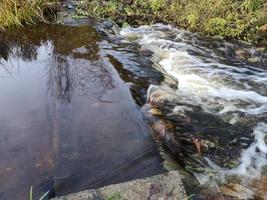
[(81, 107), (228, 82)]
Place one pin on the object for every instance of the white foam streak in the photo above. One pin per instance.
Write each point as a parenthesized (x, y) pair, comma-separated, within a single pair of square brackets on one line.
[(217, 87), (253, 158), (213, 85)]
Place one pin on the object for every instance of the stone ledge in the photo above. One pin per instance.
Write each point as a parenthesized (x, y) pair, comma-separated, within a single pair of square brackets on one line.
[(167, 186)]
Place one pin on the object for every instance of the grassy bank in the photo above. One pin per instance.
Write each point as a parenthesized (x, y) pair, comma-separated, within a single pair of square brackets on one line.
[(19, 12), (242, 19)]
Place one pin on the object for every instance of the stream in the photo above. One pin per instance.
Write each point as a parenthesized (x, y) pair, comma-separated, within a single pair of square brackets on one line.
[(84, 105), (214, 123), (68, 119)]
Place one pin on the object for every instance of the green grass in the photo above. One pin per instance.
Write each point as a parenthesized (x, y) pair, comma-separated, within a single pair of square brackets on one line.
[(45, 195), (20, 12), (115, 196), (242, 19)]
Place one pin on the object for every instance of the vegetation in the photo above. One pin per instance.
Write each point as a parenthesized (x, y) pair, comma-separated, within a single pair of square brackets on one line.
[(44, 196), (115, 196), (19, 12), (242, 19)]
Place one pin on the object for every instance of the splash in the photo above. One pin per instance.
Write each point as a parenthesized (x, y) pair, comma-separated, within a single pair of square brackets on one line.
[(204, 78), (212, 76), (254, 159)]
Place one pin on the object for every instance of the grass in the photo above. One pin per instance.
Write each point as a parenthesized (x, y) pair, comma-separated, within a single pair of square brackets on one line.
[(20, 12), (45, 195), (242, 19), (114, 196)]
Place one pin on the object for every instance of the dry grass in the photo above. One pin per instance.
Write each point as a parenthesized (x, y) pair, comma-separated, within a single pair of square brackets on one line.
[(19, 12)]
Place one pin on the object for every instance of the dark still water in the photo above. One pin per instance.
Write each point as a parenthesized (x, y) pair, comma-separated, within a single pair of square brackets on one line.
[(68, 114)]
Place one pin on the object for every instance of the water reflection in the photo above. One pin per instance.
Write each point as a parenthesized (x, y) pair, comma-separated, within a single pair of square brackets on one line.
[(67, 118), (4, 51), (59, 80)]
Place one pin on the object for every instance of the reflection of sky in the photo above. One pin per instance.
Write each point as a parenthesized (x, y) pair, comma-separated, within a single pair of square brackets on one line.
[(67, 120), (66, 74)]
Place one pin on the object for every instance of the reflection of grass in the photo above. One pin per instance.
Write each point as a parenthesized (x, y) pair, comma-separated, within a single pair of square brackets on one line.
[(41, 198), (17, 12)]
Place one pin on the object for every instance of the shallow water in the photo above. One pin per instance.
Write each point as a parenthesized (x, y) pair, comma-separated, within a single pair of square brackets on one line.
[(70, 109), (69, 114), (227, 81)]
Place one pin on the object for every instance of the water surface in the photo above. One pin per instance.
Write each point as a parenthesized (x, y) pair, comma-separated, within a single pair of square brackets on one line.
[(68, 119), (220, 104)]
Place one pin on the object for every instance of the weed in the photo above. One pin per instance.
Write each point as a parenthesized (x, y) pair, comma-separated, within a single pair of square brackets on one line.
[(242, 19), (41, 198), (19, 12), (115, 196)]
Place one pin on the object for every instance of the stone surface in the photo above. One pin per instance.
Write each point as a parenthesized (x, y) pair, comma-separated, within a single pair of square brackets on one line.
[(163, 186)]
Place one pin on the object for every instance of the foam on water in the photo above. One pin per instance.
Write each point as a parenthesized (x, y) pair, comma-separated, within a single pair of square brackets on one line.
[(254, 158), (218, 84)]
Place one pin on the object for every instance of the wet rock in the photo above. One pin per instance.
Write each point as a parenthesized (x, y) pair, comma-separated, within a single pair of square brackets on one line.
[(241, 54), (188, 131), (237, 191), (107, 28), (155, 111), (261, 49), (260, 187), (111, 25), (133, 36), (212, 192), (160, 95), (263, 31), (253, 60), (169, 80)]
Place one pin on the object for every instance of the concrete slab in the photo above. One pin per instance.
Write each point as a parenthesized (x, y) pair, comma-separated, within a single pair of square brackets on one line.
[(166, 186)]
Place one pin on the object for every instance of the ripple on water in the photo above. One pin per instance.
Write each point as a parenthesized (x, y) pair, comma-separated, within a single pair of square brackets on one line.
[(68, 119), (213, 75)]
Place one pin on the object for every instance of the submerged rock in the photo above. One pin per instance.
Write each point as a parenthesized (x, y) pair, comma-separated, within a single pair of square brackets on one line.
[(194, 142), (206, 126), (237, 191), (195, 132), (107, 28)]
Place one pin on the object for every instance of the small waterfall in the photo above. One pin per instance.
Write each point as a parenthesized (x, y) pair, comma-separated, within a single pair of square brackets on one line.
[(226, 80)]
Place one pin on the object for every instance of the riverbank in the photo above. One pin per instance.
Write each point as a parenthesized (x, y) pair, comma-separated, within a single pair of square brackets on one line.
[(183, 125), (163, 186), (19, 13), (243, 20)]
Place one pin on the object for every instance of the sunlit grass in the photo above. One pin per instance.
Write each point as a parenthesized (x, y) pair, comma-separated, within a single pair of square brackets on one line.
[(242, 19), (19, 12)]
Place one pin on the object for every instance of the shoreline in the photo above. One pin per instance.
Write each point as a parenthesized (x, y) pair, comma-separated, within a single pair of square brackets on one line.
[(163, 186)]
